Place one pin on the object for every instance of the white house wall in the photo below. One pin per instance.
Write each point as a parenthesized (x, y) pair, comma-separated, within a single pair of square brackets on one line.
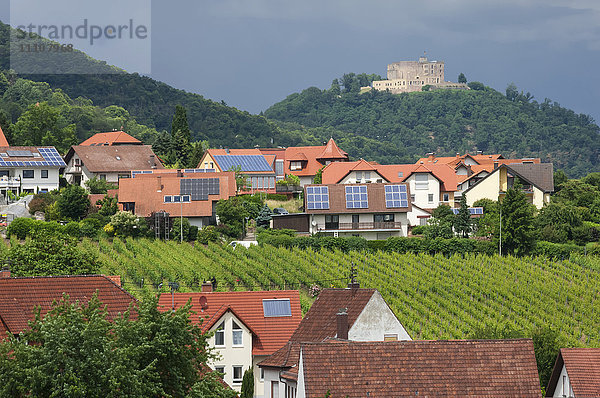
[(376, 321), (229, 355), (566, 390), (317, 224), (422, 195), (351, 178), (414, 216)]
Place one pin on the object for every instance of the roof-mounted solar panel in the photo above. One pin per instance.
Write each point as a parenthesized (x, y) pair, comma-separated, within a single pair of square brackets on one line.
[(18, 153), (356, 197), (277, 307), (245, 162), (475, 211), (396, 196), (317, 198)]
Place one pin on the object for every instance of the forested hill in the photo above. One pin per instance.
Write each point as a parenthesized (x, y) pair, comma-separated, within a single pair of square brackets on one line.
[(153, 103), (449, 121)]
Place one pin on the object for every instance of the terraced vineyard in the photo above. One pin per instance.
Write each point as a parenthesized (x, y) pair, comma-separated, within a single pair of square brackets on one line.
[(433, 296)]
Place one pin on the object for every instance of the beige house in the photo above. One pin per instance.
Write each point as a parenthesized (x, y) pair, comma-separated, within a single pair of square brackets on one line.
[(537, 180)]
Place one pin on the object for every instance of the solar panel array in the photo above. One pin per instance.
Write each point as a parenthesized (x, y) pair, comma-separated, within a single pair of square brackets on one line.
[(396, 196), (199, 188), (356, 197), (473, 210), (50, 156), (245, 162), (317, 198)]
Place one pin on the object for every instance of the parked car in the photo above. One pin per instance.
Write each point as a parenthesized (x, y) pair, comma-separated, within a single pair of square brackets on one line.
[(245, 243), (280, 210)]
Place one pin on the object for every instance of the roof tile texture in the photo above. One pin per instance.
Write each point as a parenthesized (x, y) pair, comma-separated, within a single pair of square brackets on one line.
[(271, 333), (583, 368), (19, 296), (111, 138), (460, 368), (104, 158)]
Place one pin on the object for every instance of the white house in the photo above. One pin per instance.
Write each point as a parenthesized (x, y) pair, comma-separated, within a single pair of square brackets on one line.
[(29, 169), (576, 374), (349, 314), (109, 163), (372, 211), (248, 327)]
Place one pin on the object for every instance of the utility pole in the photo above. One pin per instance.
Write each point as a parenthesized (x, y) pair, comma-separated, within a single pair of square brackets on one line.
[(181, 216), (500, 242), (174, 286)]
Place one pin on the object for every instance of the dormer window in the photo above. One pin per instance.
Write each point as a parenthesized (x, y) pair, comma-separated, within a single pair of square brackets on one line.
[(220, 335), (295, 166), (237, 334)]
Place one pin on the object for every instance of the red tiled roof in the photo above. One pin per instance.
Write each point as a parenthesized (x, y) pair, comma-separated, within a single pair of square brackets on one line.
[(332, 151), (460, 368), (19, 296), (3, 141), (111, 138), (583, 369), (335, 172), (270, 333)]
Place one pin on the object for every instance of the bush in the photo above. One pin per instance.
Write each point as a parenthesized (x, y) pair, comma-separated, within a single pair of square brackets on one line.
[(125, 224), (375, 245), (419, 229), (556, 250), (277, 196), (89, 227), (72, 229), (73, 202), (20, 227), (41, 201), (180, 228), (50, 227), (208, 233)]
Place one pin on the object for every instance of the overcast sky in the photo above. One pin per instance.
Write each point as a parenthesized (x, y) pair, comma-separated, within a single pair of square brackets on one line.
[(253, 53)]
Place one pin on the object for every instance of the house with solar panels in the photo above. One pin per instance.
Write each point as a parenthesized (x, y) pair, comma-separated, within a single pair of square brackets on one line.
[(28, 169), (189, 193), (246, 327), (372, 211), (258, 169), (108, 162)]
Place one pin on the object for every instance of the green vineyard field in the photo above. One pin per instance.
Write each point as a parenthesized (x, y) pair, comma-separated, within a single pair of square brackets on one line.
[(434, 297)]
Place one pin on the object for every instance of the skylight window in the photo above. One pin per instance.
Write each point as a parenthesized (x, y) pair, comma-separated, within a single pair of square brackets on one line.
[(277, 308)]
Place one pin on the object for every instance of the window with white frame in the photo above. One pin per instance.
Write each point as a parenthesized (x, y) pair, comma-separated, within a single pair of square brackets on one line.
[(358, 176), (430, 198), (262, 374), (446, 197), (220, 335), (367, 175), (44, 173), (237, 334), (295, 165), (237, 374), (421, 181), (221, 370)]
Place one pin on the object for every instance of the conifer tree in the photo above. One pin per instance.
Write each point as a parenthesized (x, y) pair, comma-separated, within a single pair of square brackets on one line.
[(462, 221), (518, 233), (180, 131)]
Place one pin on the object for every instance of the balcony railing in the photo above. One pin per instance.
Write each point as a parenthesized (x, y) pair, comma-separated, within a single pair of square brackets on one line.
[(361, 225), (9, 181)]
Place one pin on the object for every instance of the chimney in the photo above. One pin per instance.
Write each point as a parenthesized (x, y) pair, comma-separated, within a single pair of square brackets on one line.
[(5, 272), (207, 287), (457, 154), (179, 173), (152, 162), (431, 156), (480, 152), (342, 324)]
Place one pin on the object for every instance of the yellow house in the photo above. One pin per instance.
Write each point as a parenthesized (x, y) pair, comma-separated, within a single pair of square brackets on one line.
[(537, 181)]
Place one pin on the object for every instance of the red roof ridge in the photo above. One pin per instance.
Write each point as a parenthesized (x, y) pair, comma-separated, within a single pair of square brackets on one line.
[(3, 141), (332, 151)]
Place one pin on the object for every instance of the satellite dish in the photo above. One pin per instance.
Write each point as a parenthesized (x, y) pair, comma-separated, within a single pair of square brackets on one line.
[(203, 302), (314, 223)]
